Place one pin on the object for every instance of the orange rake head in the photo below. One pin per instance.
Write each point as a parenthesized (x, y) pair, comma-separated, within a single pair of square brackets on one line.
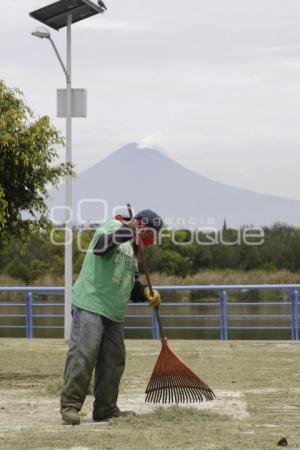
[(173, 382)]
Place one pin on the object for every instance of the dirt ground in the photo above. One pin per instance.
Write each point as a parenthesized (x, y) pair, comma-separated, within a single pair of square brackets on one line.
[(257, 387)]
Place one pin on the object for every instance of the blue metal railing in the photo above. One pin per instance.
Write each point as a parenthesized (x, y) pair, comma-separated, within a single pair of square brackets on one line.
[(224, 317)]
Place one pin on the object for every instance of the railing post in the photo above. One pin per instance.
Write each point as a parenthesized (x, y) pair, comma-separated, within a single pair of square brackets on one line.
[(29, 326), (223, 316), (155, 328), (294, 316)]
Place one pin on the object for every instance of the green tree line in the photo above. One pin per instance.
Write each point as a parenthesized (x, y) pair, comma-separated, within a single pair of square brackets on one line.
[(177, 254)]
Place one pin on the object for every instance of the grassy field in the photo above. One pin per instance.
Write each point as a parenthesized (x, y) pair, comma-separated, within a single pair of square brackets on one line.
[(257, 385)]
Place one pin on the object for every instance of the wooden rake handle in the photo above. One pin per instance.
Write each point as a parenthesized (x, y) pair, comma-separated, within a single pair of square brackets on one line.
[(145, 266)]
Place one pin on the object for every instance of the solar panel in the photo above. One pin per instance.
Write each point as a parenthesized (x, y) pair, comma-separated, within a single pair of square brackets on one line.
[(55, 15)]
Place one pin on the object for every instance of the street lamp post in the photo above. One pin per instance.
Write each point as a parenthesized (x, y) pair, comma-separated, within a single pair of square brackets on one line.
[(58, 15), (68, 193)]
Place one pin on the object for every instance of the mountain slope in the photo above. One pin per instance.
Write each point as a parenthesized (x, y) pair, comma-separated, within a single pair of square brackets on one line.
[(148, 179)]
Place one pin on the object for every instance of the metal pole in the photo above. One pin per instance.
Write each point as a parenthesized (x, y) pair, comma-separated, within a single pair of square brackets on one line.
[(59, 58), (68, 200), (294, 316), (223, 316), (27, 316), (29, 323), (155, 327)]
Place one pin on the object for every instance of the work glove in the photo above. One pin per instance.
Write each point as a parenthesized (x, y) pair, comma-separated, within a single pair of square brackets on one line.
[(154, 300)]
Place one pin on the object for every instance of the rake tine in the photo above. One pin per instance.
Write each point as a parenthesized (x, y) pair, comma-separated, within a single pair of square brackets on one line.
[(164, 395), (167, 396), (176, 396), (173, 399), (182, 390), (198, 395), (170, 395), (193, 394), (191, 391), (168, 388), (187, 394), (211, 395), (178, 388), (152, 396), (149, 396), (204, 393), (179, 394), (172, 391), (182, 394), (187, 398), (155, 395), (160, 394)]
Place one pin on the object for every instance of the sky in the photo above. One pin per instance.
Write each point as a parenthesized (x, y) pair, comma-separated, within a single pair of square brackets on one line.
[(213, 84)]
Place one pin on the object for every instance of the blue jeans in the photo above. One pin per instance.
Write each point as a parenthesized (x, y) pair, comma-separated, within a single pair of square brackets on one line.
[(96, 342)]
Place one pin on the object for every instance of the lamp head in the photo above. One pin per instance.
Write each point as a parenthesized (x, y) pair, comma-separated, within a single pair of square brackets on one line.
[(41, 32)]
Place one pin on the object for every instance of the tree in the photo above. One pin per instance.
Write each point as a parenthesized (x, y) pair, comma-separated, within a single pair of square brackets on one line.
[(17, 269), (28, 167)]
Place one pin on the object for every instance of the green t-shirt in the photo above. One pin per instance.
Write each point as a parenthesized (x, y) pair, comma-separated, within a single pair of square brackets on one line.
[(105, 282)]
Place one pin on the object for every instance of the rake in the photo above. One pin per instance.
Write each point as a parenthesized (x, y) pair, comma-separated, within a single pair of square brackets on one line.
[(171, 380)]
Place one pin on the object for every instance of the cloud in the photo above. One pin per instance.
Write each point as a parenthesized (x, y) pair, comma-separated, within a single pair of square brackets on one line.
[(153, 141)]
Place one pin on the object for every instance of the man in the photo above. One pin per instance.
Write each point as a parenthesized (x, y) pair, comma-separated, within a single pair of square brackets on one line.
[(107, 281)]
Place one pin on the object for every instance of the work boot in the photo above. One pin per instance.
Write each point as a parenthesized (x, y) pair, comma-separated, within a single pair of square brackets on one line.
[(70, 416), (117, 413)]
